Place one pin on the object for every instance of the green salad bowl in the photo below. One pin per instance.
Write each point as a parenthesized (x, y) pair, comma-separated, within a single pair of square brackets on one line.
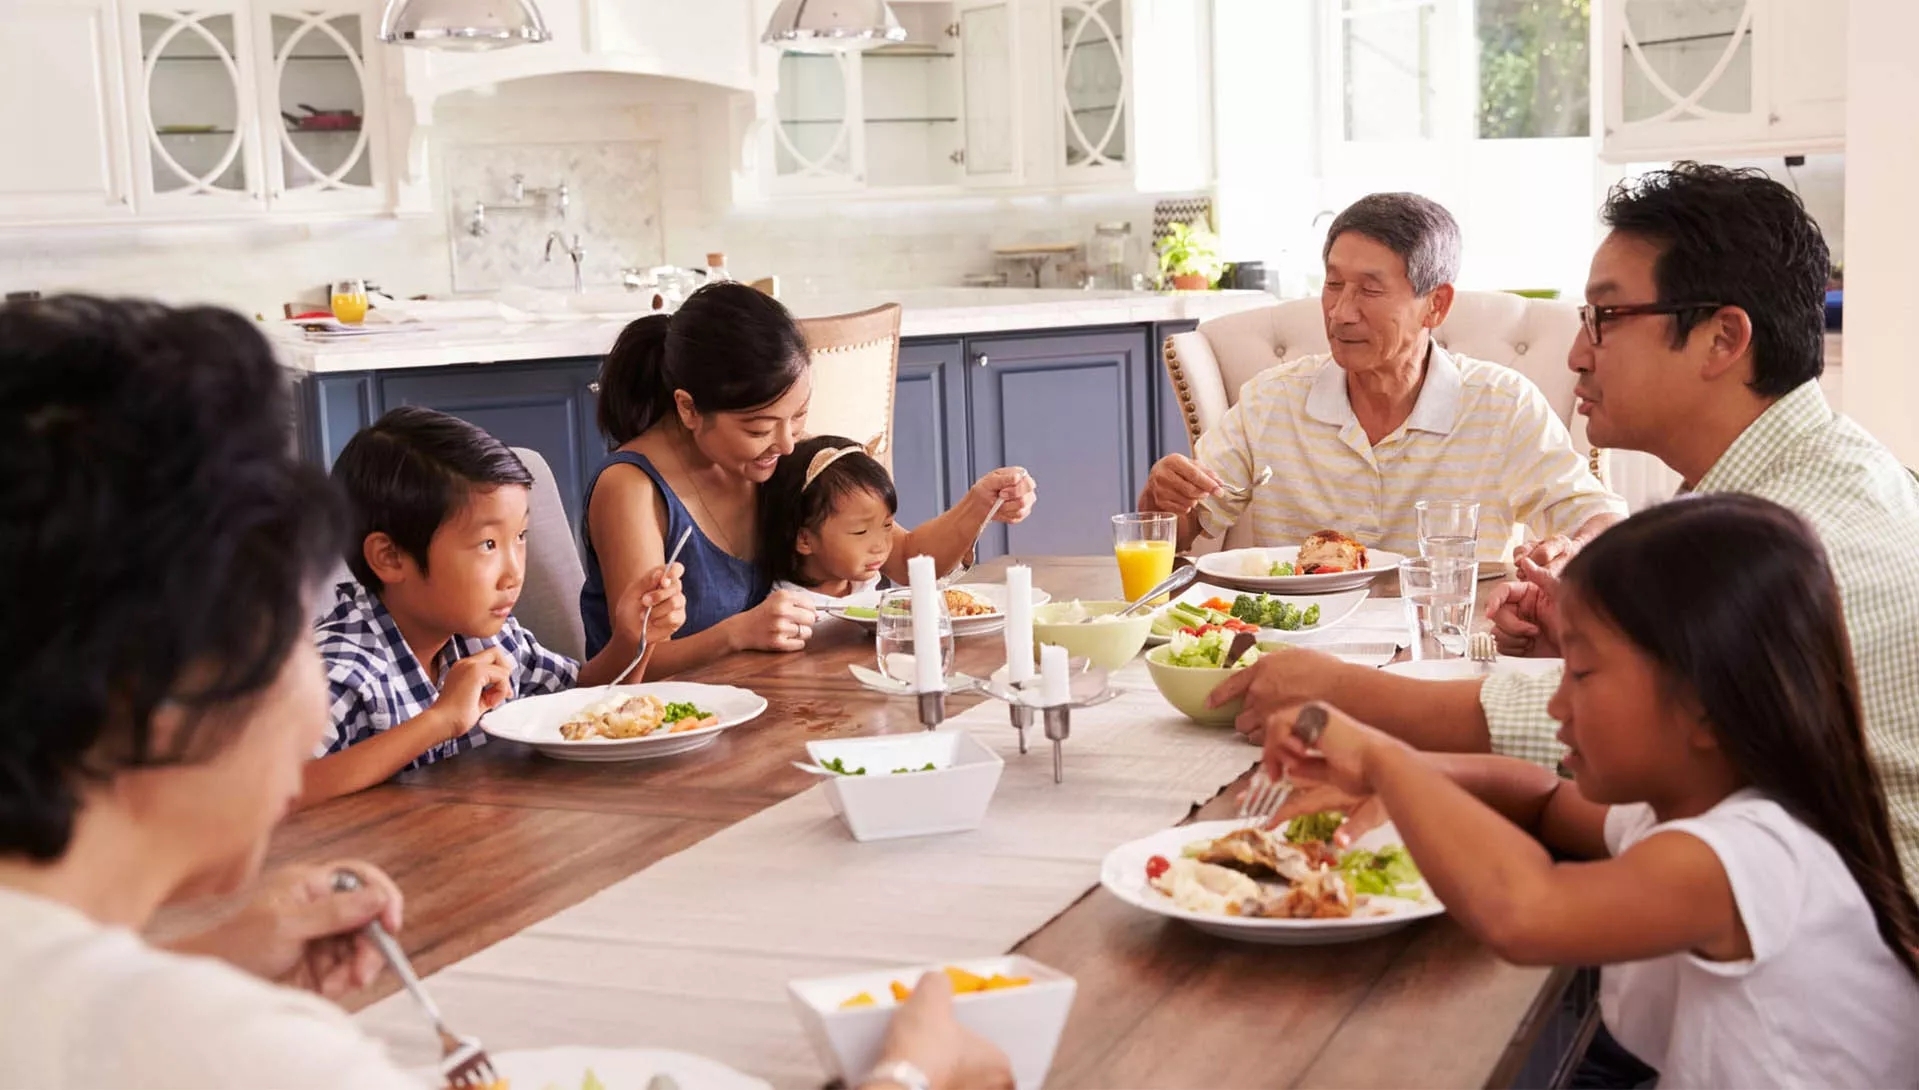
[(1108, 644), (1187, 687)]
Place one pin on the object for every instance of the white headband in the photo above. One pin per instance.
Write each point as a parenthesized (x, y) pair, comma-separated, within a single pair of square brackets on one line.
[(872, 449)]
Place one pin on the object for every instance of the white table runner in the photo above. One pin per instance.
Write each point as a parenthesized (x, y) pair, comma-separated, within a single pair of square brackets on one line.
[(694, 952)]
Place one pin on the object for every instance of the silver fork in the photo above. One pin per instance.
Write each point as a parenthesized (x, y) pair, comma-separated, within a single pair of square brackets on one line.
[(1263, 798), (647, 617), (966, 563), (463, 1063), (1265, 474), (1481, 648)]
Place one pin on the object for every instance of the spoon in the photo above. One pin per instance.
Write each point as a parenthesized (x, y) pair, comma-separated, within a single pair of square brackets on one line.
[(1172, 584), (816, 770), (1265, 474), (1242, 643)]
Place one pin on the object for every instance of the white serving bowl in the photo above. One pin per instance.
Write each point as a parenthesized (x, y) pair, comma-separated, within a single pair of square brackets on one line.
[(1024, 1022), (884, 805)]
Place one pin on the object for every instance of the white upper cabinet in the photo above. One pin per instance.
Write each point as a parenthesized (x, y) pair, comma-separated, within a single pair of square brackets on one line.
[(1090, 95), (1722, 78), (195, 112), (319, 84), (66, 130), (703, 41)]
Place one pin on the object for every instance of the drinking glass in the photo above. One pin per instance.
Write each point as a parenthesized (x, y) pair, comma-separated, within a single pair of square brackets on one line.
[(895, 637), (1439, 603), (1448, 528), (349, 301), (1143, 546)]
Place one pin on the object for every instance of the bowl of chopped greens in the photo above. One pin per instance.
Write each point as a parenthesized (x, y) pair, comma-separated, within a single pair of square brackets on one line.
[(1090, 630), (1188, 668), (918, 783)]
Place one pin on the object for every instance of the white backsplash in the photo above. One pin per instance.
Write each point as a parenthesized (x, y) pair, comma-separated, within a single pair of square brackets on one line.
[(613, 206)]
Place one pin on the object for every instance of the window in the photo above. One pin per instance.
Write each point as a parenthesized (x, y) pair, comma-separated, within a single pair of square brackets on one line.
[(1420, 70), (1534, 73)]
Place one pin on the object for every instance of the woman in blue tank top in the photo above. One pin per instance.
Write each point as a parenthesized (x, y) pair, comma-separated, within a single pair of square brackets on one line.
[(700, 407)]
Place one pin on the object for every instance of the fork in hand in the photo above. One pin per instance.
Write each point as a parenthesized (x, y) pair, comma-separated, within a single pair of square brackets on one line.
[(647, 617), (1263, 798), (463, 1063)]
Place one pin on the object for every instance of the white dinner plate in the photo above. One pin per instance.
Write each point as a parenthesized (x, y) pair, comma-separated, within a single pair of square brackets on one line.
[(1451, 669), (993, 594), (615, 1068), (1123, 873), (535, 720), (1334, 609), (1230, 568)]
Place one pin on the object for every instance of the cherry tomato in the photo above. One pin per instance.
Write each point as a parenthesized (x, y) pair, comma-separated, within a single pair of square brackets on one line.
[(1157, 866)]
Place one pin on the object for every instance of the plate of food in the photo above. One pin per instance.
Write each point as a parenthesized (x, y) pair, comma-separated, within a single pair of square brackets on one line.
[(1326, 562), (1284, 617), (580, 1068), (1287, 887), (976, 608), (625, 722)]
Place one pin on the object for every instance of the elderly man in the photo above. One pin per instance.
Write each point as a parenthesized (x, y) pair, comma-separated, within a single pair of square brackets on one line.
[(1703, 346), (1357, 437)]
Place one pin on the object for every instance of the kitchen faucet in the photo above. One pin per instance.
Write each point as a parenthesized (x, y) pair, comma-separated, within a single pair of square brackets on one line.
[(574, 251)]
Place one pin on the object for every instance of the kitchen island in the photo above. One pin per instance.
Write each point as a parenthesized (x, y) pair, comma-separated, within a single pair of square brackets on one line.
[(1068, 384)]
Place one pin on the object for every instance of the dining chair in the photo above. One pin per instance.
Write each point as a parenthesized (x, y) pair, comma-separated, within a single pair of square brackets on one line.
[(549, 604), (1532, 336), (856, 358)]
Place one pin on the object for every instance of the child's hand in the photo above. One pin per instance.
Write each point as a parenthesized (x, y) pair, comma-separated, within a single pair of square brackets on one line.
[(659, 590), (474, 686), (1338, 751), (1014, 486), (784, 622)]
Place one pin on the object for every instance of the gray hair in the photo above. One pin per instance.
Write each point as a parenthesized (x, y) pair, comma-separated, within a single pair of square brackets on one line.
[(1416, 228)]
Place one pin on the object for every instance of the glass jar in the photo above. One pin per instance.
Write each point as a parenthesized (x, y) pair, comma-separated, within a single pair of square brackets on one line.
[(1111, 254)]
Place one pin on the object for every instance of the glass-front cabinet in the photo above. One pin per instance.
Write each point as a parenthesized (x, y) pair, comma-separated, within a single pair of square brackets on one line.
[(1093, 94), (936, 111), (253, 106)]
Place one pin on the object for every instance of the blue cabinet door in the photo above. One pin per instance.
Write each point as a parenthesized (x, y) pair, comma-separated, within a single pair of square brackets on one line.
[(536, 405), (1073, 409), (931, 465), (332, 408)]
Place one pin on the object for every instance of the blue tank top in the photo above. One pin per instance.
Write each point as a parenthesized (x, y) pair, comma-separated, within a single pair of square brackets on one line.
[(717, 583)]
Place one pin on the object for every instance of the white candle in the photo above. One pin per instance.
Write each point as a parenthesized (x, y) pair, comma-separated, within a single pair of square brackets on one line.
[(1019, 624), (1055, 690), (928, 676)]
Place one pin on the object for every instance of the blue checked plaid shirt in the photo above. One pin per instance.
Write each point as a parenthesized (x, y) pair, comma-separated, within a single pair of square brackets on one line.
[(375, 682)]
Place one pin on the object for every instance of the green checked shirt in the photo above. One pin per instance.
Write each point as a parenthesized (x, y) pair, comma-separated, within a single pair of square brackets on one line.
[(1865, 508)]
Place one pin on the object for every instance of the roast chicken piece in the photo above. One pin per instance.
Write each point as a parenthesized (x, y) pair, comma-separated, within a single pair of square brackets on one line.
[(1258, 853), (1321, 895), (1329, 551)]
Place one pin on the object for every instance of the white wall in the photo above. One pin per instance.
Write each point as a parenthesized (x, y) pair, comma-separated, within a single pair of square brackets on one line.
[(1882, 202)]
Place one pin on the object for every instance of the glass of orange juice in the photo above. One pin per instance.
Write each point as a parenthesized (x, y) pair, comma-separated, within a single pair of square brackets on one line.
[(349, 301), (1143, 545)]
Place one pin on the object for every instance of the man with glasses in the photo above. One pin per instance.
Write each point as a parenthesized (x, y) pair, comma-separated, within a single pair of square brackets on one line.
[(1704, 343)]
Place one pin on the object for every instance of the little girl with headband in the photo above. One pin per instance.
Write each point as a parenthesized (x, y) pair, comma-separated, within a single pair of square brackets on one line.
[(826, 520)]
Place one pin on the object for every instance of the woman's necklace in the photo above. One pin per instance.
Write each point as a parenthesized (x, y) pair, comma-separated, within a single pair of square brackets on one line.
[(726, 539)]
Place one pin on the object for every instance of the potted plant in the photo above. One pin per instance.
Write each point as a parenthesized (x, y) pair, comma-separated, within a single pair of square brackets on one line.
[(1189, 258)]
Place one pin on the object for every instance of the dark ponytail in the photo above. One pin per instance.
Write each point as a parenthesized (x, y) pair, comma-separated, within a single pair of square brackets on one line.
[(730, 347), (1732, 596)]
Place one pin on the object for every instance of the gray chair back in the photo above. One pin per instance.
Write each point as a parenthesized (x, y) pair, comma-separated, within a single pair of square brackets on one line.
[(550, 600)]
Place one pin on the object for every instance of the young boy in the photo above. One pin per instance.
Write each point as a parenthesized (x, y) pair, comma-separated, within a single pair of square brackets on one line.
[(423, 642)]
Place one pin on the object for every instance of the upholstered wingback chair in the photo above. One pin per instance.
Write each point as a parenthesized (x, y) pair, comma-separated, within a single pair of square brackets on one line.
[(1532, 336)]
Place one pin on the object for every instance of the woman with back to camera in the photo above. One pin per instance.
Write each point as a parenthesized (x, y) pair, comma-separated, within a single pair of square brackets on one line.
[(702, 405)]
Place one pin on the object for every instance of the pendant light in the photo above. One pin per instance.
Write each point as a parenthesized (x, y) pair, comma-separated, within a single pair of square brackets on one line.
[(832, 26), (466, 26)]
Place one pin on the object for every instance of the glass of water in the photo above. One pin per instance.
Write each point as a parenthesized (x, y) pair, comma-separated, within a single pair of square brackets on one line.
[(895, 637), (1439, 603), (1448, 528)]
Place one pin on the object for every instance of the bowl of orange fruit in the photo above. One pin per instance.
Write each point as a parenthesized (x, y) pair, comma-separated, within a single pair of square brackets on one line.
[(1012, 1001)]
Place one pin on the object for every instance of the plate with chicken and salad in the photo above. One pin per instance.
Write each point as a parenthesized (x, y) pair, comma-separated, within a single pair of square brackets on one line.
[(1288, 886), (1327, 561), (624, 722)]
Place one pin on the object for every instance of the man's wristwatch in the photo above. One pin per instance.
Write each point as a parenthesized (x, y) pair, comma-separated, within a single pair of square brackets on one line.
[(901, 1073)]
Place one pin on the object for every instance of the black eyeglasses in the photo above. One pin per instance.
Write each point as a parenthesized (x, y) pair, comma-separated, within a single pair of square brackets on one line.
[(1594, 317)]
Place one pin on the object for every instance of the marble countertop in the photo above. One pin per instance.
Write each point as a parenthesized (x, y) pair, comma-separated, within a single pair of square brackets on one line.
[(480, 331)]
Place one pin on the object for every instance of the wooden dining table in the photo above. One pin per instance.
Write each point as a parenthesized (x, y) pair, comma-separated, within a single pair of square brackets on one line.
[(501, 837)]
